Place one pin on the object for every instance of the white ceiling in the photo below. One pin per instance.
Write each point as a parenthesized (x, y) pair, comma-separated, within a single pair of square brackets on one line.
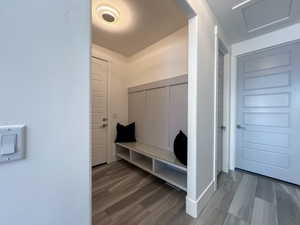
[(256, 17), (142, 23)]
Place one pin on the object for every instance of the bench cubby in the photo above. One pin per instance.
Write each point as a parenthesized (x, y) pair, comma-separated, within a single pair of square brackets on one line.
[(142, 161), (158, 162)]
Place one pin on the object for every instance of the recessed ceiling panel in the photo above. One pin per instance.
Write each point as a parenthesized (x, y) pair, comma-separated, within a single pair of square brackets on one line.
[(266, 12), (255, 17)]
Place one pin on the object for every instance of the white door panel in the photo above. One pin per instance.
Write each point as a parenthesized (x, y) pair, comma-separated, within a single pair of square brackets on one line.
[(99, 78), (268, 134)]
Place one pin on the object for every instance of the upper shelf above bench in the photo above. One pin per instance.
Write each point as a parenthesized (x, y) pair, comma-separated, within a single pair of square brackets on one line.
[(155, 153)]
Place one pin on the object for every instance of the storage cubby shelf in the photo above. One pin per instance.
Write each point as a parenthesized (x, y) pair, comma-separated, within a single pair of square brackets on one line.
[(153, 152), (142, 161), (158, 162), (170, 174), (124, 153)]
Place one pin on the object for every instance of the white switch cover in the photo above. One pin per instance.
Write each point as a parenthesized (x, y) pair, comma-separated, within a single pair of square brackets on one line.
[(12, 143), (8, 144)]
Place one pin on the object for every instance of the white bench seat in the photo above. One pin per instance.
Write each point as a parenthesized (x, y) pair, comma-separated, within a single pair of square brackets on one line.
[(160, 163)]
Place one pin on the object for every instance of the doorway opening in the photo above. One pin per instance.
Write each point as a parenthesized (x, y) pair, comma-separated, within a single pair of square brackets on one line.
[(139, 82), (99, 111), (222, 109), (267, 112)]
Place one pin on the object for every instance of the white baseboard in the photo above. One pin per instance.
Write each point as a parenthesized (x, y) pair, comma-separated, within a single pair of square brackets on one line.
[(195, 207)]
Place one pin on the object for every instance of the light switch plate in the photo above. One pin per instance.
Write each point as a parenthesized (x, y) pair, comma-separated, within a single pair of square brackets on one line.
[(8, 144), (12, 143)]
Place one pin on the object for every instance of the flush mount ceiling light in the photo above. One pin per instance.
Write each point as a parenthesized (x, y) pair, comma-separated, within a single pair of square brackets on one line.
[(241, 4), (108, 14), (113, 16)]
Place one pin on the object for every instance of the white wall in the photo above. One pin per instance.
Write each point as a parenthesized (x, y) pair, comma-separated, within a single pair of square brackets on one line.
[(45, 84), (272, 39), (281, 36), (118, 97), (164, 59), (202, 105)]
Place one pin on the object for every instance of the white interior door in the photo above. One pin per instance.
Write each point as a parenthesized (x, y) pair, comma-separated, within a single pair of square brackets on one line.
[(220, 119), (99, 119), (268, 134)]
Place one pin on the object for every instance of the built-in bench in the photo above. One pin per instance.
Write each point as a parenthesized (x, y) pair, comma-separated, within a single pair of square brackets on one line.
[(158, 162)]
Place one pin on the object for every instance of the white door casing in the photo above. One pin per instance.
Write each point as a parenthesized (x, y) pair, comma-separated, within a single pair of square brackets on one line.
[(99, 111)]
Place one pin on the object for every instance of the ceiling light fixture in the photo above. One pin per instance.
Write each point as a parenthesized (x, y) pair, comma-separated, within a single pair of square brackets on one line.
[(108, 14), (241, 4)]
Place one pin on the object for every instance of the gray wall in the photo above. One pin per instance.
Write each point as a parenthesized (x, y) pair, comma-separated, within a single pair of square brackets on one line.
[(160, 111), (44, 70)]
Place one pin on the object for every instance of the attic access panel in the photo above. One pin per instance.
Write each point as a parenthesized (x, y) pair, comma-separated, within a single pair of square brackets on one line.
[(264, 13)]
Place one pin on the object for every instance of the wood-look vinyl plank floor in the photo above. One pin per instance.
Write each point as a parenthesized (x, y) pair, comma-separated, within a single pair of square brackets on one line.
[(126, 195), (264, 213), (288, 205)]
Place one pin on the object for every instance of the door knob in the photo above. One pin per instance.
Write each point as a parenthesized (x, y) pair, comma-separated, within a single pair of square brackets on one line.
[(240, 127), (103, 125), (104, 119)]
